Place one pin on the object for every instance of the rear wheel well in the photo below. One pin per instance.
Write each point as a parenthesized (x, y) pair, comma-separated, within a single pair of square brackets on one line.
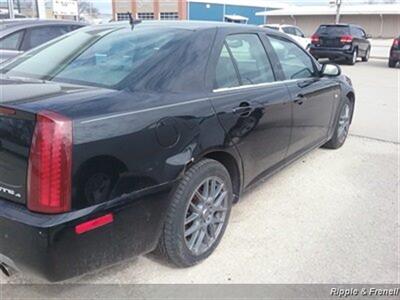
[(229, 162), (98, 165)]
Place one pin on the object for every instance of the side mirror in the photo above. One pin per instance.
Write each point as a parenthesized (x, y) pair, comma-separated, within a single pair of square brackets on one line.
[(369, 36), (331, 70)]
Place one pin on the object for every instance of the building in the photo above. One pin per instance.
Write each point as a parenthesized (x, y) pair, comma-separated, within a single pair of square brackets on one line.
[(231, 10), (44, 9), (201, 10), (379, 20), (150, 9)]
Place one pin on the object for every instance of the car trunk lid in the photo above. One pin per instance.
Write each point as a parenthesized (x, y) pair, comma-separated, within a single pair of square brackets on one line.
[(16, 130)]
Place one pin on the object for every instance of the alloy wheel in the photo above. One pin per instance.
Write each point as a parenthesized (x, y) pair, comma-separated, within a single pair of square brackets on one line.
[(205, 215), (344, 122)]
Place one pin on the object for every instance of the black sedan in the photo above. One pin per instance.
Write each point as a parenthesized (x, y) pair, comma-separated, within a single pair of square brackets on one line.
[(20, 35), (130, 140)]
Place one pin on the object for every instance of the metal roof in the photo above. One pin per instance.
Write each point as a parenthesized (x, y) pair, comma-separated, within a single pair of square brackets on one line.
[(368, 9)]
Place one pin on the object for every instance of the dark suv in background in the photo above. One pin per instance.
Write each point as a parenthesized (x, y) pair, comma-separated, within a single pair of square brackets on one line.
[(341, 41), (394, 57)]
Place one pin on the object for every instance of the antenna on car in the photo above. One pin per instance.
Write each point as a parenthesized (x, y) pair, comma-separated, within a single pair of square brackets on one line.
[(132, 20)]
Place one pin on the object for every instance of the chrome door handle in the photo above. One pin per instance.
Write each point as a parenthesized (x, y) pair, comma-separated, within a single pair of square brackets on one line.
[(244, 109)]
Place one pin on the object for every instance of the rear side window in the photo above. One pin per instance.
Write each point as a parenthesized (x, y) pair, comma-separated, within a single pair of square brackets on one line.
[(289, 30), (357, 32), (251, 59), (40, 35), (226, 76), (333, 30), (296, 64), (12, 41)]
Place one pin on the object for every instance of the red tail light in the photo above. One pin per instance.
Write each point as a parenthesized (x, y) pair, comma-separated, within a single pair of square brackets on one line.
[(315, 39), (346, 39), (50, 163), (396, 42)]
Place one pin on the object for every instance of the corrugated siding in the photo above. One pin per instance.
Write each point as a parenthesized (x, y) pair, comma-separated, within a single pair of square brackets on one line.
[(246, 11), (205, 12)]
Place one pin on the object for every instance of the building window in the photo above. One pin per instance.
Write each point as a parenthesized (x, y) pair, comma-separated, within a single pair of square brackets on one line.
[(122, 16), (169, 16), (146, 16)]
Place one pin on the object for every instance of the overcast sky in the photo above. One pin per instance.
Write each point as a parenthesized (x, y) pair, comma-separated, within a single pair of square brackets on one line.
[(105, 5)]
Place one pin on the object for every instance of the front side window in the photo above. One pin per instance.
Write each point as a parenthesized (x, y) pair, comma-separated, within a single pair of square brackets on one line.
[(295, 62), (12, 41), (226, 76), (251, 59)]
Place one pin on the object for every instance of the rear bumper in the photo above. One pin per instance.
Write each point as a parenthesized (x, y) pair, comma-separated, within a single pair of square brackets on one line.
[(331, 53), (48, 247)]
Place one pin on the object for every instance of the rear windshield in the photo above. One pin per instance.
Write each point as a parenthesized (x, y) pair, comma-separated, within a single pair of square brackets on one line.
[(333, 30), (98, 56)]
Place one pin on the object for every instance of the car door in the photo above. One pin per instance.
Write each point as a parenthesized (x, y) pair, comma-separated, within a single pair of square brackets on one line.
[(314, 98), (253, 108)]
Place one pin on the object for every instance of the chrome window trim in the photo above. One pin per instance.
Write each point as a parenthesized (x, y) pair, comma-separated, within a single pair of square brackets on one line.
[(265, 84)]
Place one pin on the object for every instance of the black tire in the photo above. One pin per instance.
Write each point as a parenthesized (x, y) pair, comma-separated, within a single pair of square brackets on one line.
[(173, 244), (339, 138), (353, 60), (366, 57), (392, 63)]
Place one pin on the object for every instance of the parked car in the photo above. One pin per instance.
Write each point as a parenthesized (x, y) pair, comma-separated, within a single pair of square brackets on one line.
[(18, 36), (394, 56), (116, 146), (341, 41), (295, 32)]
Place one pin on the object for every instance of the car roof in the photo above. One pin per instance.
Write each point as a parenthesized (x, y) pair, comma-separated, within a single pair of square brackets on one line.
[(341, 25), (190, 25), (22, 23)]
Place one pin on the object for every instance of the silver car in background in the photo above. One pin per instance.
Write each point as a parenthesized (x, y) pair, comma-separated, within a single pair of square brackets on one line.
[(20, 35)]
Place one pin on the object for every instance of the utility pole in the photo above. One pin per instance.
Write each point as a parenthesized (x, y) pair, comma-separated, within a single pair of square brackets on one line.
[(11, 9), (338, 4)]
